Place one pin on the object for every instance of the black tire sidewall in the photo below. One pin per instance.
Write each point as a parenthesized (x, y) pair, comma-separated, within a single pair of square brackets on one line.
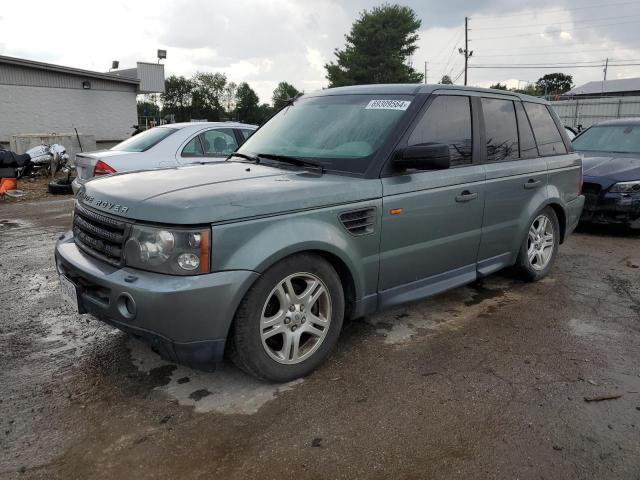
[(60, 187), (525, 266), (250, 354)]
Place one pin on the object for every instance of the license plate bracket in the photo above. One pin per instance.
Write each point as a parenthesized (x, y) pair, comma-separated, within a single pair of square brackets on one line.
[(69, 292)]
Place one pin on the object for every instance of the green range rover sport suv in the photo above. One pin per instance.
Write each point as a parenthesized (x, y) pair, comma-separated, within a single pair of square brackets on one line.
[(348, 201)]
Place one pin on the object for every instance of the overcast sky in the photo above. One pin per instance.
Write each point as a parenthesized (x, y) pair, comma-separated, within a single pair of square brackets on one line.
[(263, 42)]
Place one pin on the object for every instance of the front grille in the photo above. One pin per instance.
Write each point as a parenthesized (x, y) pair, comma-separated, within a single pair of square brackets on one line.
[(99, 235), (591, 188), (359, 222)]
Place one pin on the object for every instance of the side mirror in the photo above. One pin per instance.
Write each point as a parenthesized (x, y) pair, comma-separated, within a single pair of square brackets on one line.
[(425, 156)]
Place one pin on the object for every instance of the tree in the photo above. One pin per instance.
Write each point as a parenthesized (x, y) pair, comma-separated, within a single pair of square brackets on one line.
[(446, 80), (554, 83), (147, 109), (229, 99), (177, 97), (208, 96), (283, 92), (247, 104), (378, 49), (498, 86)]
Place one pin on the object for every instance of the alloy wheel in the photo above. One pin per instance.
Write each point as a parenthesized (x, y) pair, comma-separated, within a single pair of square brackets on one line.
[(540, 243), (295, 318)]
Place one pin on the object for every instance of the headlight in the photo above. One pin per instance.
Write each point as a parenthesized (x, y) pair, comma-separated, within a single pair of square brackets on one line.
[(172, 251), (626, 187)]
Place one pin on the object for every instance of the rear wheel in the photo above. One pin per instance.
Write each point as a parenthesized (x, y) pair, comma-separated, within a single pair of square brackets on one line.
[(540, 247), (289, 320)]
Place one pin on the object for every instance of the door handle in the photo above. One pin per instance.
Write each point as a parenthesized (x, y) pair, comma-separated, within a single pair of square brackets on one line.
[(532, 183), (466, 196)]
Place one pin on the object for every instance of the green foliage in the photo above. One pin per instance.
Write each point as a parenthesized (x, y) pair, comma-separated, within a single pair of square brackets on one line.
[(498, 86), (446, 80), (177, 97), (530, 89), (147, 109), (282, 94), (247, 104), (554, 83), (378, 49), (207, 96), (210, 96)]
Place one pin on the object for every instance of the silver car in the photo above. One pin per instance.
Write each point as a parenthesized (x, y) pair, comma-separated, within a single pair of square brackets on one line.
[(162, 147)]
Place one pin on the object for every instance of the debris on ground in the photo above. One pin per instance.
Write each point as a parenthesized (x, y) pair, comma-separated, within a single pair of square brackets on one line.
[(602, 398)]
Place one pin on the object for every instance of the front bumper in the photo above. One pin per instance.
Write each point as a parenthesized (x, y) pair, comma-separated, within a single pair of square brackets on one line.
[(185, 319), (612, 208)]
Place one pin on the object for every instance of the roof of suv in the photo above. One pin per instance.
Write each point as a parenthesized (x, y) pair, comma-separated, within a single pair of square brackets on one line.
[(414, 89)]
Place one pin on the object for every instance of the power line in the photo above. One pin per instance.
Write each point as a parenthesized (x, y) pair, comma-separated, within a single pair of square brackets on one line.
[(553, 66), (588, 21), (546, 52), (563, 31), (584, 7), (451, 54)]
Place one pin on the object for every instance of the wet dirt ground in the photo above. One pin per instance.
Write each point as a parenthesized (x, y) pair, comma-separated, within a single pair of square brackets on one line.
[(486, 381)]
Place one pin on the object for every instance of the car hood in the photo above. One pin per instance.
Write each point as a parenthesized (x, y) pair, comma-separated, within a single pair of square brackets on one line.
[(611, 168), (220, 192)]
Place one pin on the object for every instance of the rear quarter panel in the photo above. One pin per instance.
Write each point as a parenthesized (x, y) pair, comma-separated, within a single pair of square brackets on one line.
[(563, 188)]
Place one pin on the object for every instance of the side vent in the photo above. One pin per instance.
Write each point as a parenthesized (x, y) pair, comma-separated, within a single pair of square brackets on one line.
[(359, 222)]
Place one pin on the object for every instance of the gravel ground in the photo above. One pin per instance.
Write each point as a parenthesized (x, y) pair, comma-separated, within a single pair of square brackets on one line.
[(486, 381), (35, 188)]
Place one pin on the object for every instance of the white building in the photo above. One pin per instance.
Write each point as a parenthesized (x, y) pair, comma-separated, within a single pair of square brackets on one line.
[(41, 98)]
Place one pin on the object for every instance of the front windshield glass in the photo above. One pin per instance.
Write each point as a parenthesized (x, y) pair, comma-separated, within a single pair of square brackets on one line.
[(609, 138), (145, 140), (342, 132)]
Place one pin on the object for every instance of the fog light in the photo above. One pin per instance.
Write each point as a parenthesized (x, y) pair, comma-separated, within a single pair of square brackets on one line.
[(188, 261)]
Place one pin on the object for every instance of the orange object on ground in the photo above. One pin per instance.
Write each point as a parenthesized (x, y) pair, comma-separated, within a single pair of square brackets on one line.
[(7, 184)]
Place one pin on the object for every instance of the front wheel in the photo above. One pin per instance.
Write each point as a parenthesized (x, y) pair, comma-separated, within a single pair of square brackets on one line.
[(289, 320), (540, 247)]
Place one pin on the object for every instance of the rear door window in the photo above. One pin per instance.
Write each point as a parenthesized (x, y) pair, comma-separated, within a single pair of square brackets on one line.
[(447, 121), (219, 143), (545, 130), (528, 147), (501, 130), (193, 148)]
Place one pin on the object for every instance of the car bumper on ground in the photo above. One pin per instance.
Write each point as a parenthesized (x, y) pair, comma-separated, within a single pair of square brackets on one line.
[(185, 319), (612, 208)]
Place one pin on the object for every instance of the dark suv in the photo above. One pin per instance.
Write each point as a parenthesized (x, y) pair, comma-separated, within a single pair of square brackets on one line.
[(348, 201)]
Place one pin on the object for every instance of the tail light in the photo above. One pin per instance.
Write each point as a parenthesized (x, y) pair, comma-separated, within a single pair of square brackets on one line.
[(103, 168)]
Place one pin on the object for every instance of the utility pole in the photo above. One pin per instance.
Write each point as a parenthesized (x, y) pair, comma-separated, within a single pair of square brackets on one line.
[(466, 51), (606, 65), (425, 73)]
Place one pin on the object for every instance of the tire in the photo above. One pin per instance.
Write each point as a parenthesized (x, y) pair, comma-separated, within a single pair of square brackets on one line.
[(264, 331), (538, 251), (61, 187)]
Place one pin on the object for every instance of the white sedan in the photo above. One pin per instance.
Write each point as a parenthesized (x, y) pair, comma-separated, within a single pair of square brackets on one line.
[(163, 147)]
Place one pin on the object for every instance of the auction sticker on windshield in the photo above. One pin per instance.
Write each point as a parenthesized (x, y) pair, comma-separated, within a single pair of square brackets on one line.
[(388, 105)]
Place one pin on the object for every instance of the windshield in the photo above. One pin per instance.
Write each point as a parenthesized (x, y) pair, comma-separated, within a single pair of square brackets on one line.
[(342, 132), (145, 140), (613, 138)]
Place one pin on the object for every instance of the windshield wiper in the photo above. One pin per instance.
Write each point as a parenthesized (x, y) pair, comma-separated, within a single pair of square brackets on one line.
[(297, 161), (246, 156)]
